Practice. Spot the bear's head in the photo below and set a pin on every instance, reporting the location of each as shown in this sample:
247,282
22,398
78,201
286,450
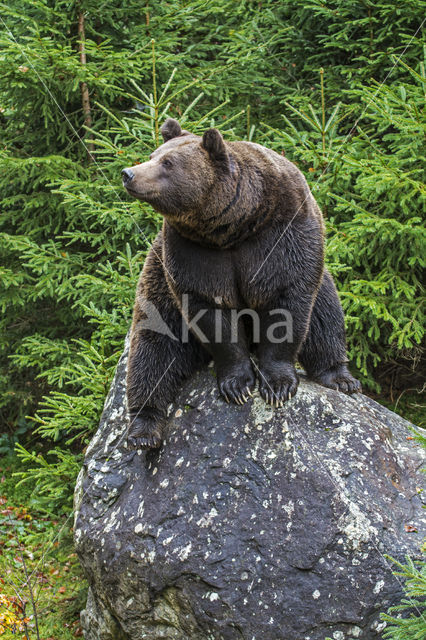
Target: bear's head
184,175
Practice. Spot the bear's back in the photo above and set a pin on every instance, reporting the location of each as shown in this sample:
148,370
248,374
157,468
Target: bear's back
269,163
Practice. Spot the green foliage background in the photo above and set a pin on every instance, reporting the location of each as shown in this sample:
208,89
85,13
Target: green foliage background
338,87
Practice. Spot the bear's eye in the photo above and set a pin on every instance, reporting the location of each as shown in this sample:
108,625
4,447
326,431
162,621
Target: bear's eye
167,163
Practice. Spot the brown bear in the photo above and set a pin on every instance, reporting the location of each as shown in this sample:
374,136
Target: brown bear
242,235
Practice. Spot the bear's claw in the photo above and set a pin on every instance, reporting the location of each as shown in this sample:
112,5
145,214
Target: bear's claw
237,387
144,433
340,379
279,393
145,442
277,384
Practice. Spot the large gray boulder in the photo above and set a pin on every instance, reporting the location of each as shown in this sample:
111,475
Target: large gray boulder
251,523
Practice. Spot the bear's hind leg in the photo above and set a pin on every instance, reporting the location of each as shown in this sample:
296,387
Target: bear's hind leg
323,354
159,359
158,364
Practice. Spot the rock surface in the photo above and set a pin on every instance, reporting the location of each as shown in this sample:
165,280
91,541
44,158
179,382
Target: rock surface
251,523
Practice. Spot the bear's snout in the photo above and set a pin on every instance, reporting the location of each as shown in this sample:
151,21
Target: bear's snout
127,175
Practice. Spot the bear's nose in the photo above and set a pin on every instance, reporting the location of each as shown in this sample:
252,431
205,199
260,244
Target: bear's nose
127,175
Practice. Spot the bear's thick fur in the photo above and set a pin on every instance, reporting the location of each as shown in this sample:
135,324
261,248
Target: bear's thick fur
241,232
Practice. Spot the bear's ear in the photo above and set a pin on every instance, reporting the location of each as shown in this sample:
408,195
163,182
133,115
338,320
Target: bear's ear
214,144
170,129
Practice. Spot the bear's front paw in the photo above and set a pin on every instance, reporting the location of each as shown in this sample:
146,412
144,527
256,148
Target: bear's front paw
145,430
278,382
339,378
236,382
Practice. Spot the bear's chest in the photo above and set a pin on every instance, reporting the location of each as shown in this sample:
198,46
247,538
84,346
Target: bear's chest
195,270
234,278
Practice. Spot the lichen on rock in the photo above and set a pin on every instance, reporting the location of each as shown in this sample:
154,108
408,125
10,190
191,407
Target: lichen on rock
250,522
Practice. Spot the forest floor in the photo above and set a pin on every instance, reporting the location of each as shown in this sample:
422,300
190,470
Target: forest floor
37,564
